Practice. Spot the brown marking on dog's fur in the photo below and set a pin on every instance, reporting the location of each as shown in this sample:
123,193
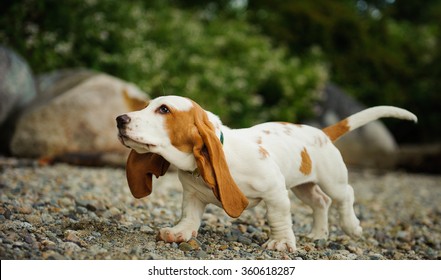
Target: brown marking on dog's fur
259,140
306,164
337,130
191,132
263,152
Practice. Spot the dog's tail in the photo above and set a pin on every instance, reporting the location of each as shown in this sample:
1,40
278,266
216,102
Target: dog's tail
337,130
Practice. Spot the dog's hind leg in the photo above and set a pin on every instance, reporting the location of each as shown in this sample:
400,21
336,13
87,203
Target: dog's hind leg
343,196
313,196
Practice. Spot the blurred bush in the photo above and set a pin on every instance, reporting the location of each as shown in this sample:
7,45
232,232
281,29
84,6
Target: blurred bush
224,63
380,51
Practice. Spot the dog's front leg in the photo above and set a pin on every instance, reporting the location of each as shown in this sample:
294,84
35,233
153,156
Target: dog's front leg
282,237
188,225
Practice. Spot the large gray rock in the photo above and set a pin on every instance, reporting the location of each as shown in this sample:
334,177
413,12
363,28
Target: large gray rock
76,123
17,89
17,86
369,146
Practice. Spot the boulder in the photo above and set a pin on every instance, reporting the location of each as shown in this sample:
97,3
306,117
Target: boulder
17,85
57,82
17,89
74,120
369,146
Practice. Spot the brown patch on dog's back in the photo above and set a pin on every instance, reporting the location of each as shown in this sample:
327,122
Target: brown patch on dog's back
263,152
306,164
259,140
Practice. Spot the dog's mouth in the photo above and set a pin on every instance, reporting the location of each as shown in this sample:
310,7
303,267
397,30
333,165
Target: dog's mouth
132,143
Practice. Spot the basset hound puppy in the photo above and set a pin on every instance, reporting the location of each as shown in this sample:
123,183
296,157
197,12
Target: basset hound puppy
237,168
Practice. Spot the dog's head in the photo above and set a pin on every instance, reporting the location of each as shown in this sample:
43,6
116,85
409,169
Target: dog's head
173,129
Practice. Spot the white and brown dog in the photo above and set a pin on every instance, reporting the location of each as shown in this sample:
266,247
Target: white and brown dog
237,168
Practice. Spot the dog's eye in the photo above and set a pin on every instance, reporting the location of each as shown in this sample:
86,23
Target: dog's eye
163,109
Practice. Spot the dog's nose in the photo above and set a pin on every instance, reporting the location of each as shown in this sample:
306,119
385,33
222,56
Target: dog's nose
122,120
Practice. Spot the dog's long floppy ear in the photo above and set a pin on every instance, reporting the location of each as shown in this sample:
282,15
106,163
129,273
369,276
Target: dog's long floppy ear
139,171
212,166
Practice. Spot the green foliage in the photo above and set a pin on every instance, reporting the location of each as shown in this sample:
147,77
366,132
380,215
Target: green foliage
382,52
223,63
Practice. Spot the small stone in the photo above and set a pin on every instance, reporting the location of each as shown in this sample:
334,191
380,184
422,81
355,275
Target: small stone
380,236
152,256
136,251
194,243
72,236
242,228
70,248
146,229
355,249
404,236
307,248
376,257
320,243
373,242
65,202
25,209
96,234
81,210
150,246
48,245
184,246
33,219
88,204
112,213
251,229
404,246
52,255
223,247
46,218
7,214
244,240
201,254
335,246
233,235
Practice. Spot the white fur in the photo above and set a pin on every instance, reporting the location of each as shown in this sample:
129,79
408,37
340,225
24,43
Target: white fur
261,176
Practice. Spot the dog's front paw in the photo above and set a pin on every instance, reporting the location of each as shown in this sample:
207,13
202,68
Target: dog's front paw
280,245
175,235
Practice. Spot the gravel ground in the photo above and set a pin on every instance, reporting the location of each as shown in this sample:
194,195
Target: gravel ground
68,212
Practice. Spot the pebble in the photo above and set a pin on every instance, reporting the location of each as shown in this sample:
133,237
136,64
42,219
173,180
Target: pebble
68,212
376,257
81,210
244,240
25,209
72,236
320,244
194,243
65,202
146,229
201,254
7,214
184,246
